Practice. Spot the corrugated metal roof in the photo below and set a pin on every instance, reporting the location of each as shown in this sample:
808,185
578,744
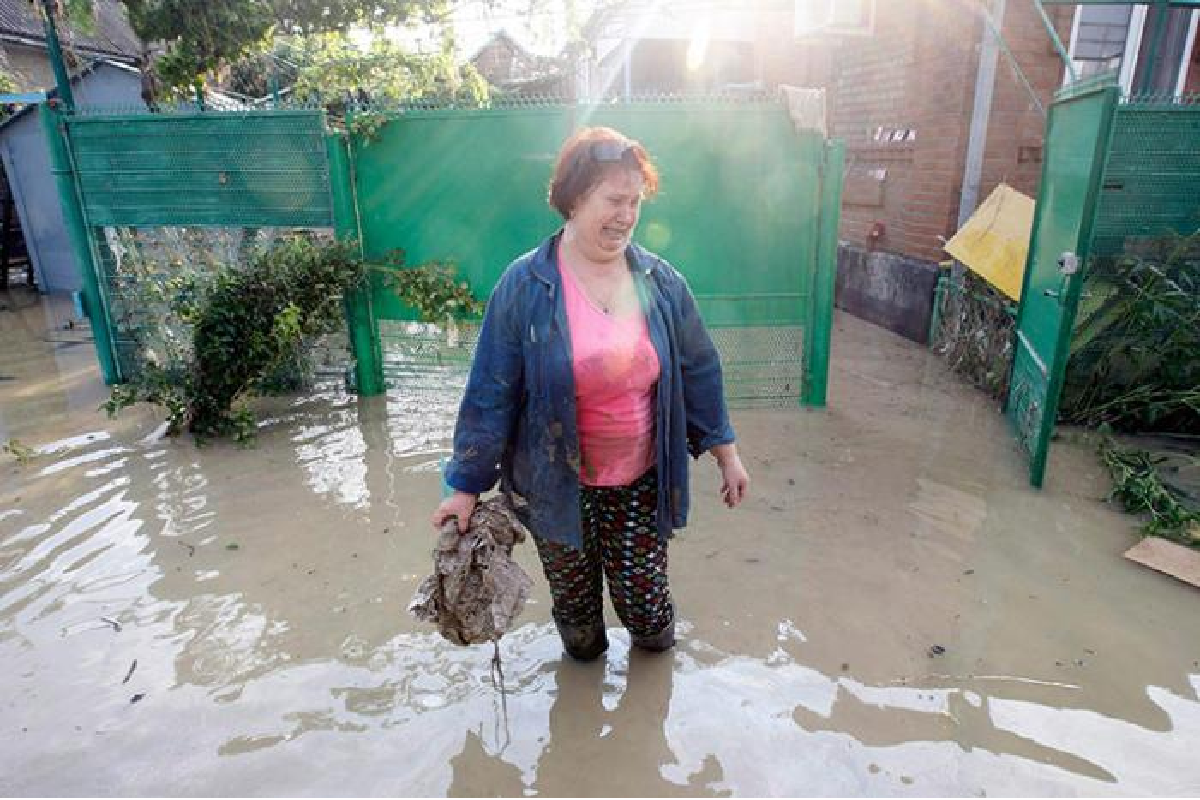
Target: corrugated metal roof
111,33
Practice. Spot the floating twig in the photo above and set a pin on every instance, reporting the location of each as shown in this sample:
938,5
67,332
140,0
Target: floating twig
116,626
129,674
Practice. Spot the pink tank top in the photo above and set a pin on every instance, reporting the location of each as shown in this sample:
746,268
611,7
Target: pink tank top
616,373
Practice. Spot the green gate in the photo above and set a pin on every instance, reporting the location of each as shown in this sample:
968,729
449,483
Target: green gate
748,212
1117,173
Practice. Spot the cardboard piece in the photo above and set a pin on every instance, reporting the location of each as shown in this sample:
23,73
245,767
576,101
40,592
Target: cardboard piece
1166,556
995,241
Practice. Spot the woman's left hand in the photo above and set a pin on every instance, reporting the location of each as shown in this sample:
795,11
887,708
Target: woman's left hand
735,481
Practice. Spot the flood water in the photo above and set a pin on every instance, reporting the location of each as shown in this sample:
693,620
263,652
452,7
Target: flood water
893,612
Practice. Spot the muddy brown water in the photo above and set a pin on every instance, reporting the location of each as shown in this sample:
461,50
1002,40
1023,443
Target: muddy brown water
893,612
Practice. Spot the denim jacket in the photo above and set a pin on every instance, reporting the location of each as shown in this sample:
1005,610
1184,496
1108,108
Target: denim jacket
517,418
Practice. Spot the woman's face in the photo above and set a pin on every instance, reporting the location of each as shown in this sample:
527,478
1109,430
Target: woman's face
603,219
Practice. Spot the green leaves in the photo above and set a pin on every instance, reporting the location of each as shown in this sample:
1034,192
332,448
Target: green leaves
255,321
240,332
247,328
1142,484
432,291
1135,353
204,36
332,67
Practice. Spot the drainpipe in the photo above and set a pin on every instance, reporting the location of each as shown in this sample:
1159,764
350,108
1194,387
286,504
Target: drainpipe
985,86
54,49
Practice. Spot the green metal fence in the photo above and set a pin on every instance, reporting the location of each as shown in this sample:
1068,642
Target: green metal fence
748,211
1119,179
144,192
1151,183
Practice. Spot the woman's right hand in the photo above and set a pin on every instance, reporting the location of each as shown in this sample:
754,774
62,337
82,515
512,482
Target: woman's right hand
460,505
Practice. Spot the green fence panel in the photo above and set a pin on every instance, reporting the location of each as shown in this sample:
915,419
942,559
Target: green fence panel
1150,183
740,204
739,214
140,179
246,169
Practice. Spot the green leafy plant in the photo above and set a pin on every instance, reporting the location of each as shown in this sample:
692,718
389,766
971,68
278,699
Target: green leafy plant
432,290
1145,482
239,332
248,325
205,37
367,125
1135,352
22,452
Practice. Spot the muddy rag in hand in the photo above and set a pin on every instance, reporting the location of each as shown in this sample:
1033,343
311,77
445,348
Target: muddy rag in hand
476,590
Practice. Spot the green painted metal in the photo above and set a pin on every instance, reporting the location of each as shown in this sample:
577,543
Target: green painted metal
256,169
54,50
360,317
739,212
1077,140
1055,40
95,301
748,210
1153,172
817,342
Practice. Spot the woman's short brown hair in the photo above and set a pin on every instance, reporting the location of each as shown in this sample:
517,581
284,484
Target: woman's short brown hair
587,156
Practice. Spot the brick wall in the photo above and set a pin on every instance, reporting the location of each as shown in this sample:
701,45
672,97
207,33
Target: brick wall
902,100
1016,128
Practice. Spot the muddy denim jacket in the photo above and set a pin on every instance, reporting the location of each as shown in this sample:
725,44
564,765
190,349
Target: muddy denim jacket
517,418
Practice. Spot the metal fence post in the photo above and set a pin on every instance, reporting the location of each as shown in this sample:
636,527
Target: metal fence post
820,319
360,316
93,294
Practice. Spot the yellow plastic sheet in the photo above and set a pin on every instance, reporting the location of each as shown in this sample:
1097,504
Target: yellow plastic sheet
995,241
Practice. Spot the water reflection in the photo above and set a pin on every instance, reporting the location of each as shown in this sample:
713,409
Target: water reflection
253,601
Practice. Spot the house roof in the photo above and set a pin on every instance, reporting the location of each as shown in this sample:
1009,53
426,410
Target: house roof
76,78
110,35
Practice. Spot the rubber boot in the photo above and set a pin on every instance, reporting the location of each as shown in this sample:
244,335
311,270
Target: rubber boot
583,642
658,642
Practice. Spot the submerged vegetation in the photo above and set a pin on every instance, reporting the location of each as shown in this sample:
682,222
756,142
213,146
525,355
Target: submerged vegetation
1161,484
211,335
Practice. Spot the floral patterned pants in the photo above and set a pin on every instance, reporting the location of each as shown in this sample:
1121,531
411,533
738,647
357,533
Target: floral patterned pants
620,543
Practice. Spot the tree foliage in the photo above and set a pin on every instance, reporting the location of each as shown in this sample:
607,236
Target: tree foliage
328,67
201,37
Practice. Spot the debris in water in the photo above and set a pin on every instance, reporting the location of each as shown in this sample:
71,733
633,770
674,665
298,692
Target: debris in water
116,626
232,546
191,548
129,674
936,650
137,698
476,589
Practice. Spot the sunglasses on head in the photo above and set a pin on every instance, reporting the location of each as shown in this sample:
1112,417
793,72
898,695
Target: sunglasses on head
610,150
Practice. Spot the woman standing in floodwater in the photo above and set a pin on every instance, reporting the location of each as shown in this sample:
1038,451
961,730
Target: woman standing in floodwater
594,378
